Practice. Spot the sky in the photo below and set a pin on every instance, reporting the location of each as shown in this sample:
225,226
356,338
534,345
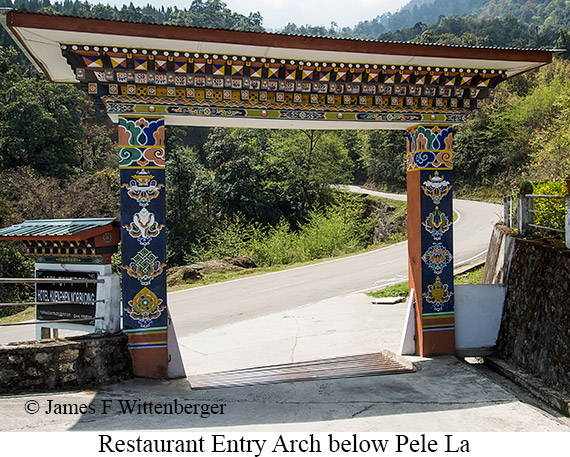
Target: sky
278,13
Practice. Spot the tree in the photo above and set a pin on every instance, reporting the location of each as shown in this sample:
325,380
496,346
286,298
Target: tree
384,158
40,122
189,192
237,158
523,131
304,164
215,14
33,196
13,264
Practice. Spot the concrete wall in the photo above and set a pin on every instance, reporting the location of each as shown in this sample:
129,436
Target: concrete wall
478,311
535,328
64,364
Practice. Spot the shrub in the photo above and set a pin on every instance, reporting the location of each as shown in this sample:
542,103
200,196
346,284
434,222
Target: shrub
338,229
554,215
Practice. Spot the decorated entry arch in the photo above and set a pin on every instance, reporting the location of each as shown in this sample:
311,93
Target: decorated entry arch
147,76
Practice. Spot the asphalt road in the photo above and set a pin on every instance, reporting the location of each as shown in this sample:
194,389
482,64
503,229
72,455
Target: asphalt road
215,305
211,306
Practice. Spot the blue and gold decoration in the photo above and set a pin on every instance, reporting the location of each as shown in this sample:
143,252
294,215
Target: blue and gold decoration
429,153
143,203
143,241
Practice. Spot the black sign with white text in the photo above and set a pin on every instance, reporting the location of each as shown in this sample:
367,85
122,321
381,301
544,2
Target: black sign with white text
83,294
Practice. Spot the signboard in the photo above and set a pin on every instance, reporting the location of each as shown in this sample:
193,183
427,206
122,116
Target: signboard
83,294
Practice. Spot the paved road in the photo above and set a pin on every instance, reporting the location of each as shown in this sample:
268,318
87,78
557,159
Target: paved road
211,306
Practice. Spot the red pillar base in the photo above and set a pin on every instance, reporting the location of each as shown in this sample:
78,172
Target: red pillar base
149,354
438,342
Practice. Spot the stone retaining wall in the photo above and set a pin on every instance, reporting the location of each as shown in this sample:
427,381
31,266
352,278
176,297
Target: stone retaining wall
76,362
535,327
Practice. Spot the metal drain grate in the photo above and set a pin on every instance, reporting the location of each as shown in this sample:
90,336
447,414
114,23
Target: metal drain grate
339,367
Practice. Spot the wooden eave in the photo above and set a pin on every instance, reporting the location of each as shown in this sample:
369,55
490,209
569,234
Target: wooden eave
38,32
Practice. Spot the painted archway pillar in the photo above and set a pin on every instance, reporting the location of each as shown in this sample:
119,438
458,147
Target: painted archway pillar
430,236
143,243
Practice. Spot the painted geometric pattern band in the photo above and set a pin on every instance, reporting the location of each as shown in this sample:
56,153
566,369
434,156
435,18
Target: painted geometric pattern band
143,235
147,339
361,108
232,84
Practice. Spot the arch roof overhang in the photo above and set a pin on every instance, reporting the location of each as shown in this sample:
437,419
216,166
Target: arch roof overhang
390,83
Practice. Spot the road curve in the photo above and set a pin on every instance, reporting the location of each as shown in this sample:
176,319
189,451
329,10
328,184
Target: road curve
205,307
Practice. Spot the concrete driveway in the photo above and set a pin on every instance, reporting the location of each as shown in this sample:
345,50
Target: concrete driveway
444,394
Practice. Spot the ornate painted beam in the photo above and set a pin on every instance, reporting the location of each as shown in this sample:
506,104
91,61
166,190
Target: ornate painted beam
229,78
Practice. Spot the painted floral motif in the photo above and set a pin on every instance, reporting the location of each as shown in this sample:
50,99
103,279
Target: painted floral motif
143,187
425,138
429,147
132,156
144,227
436,188
129,155
141,131
437,223
145,307
424,159
438,294
144,267
444,160
155,155
437,257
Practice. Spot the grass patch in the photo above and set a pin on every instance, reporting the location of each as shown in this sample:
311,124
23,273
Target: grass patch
474,276
483,193
26,314
397,290
214,277
402,204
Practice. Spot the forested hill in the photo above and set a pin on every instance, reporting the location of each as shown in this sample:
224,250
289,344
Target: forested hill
550,13
417,11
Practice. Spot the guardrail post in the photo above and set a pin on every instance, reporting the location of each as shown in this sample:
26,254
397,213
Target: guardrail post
567,219
525,214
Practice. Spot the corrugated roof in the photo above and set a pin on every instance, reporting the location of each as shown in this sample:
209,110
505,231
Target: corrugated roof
54,227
